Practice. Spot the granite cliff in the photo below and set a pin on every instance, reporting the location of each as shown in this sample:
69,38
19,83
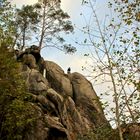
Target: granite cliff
67,106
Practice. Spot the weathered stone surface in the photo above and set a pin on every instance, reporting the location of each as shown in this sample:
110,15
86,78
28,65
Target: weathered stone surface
30,56
66,105
47,105
35,81
86,100
27,59
62,121
68,111
54,124
58,79
83,89
73,120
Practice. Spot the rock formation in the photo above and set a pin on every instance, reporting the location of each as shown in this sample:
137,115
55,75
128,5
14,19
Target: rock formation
67,105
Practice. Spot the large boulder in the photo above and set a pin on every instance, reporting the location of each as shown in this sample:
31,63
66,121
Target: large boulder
58,80
67,103
30,61
86,100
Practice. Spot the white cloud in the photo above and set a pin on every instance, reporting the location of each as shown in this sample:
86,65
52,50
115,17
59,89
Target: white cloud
23,2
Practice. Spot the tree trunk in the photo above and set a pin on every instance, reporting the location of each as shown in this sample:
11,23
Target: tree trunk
42,29
23,39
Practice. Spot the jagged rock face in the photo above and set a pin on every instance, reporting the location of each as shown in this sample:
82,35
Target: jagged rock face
67,104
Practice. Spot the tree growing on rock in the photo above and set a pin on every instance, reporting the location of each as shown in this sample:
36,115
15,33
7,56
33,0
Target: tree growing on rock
44,23
26,21
7,28
53,23
16,111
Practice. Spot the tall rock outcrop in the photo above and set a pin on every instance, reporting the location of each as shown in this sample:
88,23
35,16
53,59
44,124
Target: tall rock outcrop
66,104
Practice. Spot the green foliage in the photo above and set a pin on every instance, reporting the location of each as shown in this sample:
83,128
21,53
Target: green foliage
127,54
129,13
19,117
7,28
88,136
44,22
53,24
16,113
115,51
26,21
